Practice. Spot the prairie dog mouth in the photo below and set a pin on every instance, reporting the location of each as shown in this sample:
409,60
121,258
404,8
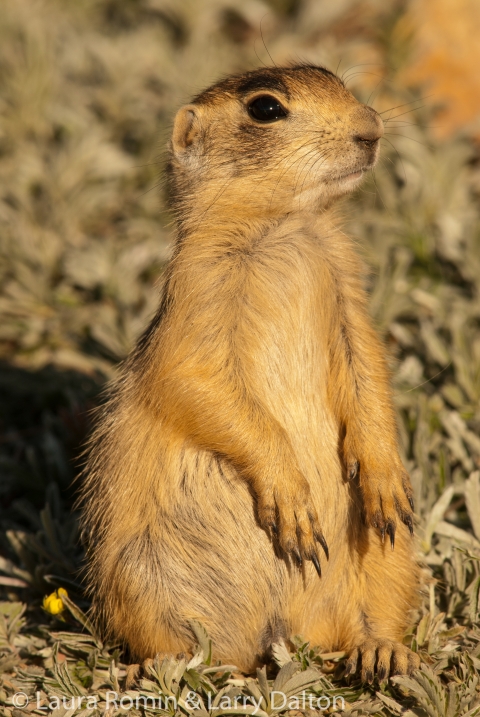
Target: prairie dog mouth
347,180
352,176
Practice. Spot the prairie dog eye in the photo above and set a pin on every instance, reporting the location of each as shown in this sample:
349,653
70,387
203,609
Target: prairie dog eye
266,109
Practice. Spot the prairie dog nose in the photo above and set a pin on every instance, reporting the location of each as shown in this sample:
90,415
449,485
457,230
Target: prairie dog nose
367,126
368,143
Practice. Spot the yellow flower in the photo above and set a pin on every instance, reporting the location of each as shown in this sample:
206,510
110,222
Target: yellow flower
53,603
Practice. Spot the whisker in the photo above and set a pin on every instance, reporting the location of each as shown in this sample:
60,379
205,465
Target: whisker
401,123
378,193
321,158
361,64
429,379
309,167
256,53
287,168
399,156
162,182
389,159
420,99
414,109
263,40
373,91
350,77
424,144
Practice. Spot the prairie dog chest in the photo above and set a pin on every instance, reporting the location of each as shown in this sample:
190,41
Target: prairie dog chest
281,336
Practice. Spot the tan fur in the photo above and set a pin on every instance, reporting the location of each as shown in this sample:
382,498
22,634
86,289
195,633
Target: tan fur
257,402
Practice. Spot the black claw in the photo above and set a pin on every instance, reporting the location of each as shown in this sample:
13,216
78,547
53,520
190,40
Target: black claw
369,676
382,673
348,669
353,470
274,529
391,532
409,523
316,562
412,504
320,539
298,557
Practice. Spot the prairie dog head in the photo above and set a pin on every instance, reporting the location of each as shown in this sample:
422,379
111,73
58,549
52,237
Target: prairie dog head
270,142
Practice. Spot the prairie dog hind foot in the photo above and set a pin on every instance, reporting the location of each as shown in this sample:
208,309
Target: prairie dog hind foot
382,658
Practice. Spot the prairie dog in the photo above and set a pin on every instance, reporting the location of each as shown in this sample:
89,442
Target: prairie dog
245,472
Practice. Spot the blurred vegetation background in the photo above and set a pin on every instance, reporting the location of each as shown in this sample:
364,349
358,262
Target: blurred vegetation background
88,91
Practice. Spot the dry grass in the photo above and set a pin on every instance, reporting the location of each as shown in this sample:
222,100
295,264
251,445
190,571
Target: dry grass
87,92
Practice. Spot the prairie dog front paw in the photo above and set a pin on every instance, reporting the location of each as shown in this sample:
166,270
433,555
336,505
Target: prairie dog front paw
286,509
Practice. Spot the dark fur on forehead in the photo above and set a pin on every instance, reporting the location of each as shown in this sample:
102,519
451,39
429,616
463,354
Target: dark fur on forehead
261,80
269,78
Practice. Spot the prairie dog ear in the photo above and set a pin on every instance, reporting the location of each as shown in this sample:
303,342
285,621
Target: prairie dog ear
186,128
